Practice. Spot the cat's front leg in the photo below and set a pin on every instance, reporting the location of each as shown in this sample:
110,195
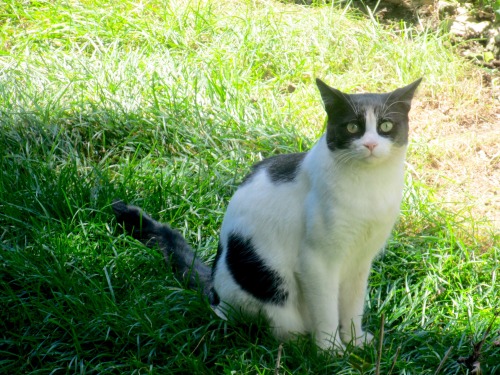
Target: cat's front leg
353,287
319,283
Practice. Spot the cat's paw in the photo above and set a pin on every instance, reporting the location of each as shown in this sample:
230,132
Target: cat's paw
364,338
219,311
331,344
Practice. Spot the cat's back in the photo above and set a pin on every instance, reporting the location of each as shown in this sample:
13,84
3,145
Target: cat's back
271,196
279,168
261,233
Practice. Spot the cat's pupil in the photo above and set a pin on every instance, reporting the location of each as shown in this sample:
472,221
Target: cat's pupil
386,126
352,128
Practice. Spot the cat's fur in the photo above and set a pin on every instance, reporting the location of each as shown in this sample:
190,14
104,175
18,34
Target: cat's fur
300,233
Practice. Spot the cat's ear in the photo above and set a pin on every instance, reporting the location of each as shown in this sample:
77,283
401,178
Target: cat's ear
405,94
333,99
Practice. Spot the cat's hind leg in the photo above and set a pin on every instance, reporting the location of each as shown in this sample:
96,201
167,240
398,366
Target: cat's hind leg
285,321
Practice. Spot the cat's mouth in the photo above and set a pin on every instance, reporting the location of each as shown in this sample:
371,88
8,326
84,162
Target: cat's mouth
372,157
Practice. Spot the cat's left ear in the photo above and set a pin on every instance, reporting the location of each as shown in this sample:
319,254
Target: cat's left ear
405,94
333,99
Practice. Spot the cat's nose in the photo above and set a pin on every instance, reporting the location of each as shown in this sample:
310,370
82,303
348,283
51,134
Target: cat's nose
370,145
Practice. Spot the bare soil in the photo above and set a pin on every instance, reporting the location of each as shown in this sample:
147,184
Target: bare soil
459,134
460,146
456,136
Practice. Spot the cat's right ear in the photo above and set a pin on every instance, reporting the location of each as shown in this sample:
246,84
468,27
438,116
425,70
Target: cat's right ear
332,98
405,94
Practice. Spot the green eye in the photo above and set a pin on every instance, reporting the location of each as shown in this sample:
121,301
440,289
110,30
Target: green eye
386,126
352,128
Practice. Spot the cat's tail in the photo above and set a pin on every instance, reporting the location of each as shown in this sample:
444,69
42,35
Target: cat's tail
177,252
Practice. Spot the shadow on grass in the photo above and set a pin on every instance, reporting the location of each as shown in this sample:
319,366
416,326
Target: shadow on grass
77,297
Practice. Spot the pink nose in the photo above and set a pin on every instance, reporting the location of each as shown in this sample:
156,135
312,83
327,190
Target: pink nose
370,145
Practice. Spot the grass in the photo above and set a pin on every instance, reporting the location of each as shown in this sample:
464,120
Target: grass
166,105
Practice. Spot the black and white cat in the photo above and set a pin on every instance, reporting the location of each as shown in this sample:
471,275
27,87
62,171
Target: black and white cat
301,232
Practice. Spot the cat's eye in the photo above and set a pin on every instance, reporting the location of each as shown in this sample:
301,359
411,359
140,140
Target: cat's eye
352,128
386,126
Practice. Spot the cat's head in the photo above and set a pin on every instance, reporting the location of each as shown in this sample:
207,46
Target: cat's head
367,127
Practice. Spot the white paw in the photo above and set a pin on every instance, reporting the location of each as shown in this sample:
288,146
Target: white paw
330,343
364,338
219,311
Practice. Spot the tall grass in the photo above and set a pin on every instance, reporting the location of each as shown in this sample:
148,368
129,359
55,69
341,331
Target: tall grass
166,104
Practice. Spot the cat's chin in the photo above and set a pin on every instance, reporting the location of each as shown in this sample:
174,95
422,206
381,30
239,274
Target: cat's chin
373,159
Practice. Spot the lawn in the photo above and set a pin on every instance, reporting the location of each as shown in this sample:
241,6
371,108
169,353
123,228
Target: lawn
166,105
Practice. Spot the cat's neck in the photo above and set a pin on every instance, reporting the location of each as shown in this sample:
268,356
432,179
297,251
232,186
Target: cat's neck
371,191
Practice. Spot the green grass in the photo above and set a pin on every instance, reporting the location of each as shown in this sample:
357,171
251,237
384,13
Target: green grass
166,105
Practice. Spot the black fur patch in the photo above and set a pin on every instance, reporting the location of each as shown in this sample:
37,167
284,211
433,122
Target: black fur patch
281,168
213,297
251,273
217,258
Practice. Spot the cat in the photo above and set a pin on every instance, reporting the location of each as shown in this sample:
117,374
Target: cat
300,233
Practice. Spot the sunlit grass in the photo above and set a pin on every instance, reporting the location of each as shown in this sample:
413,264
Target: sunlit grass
166,105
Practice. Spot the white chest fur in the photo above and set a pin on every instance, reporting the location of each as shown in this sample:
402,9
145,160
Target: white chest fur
356,198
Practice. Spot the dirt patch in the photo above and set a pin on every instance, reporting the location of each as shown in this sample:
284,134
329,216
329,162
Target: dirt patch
459,144
457,137
473,28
